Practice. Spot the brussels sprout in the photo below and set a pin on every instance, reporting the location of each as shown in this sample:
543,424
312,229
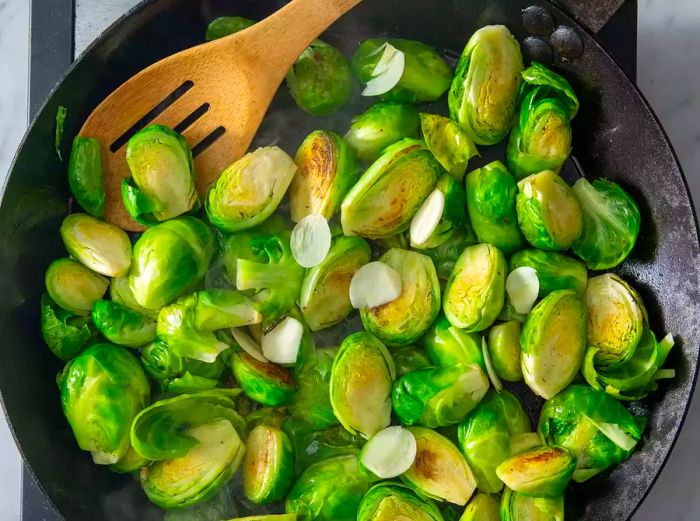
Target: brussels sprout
65,333
249,190
406,319
441,215
439,396
162,182
130,462
100,246
102,390
73,286
484,92
611,222
409,358
439,471
383,124
227,25
389,193
160,362
120,292
176,374
539,472
188,325
121,325
553,342
482,508
504,349
484,436
312,402
312,446
360,388
330,490
554,270
261,259
541,138
392,501
85,175
449,143
616,319
447,345
491,193
592,425
169,260
266,383
425,76
268,465
549,214
475,291
519,507
445,255
325,290
320,81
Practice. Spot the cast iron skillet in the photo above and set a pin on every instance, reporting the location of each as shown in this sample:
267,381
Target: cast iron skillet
616,135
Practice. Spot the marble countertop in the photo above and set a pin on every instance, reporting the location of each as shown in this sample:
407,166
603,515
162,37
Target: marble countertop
668,53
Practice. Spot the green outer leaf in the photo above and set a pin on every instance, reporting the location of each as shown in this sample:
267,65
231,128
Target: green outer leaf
65,333
409,358
122,325
448,142
85,175
388,501
189,383
266,383
554,270
312,402
138,205
61,112
119,291
482,507
539,75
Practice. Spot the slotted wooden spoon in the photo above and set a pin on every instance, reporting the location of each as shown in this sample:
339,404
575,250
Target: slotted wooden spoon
215,94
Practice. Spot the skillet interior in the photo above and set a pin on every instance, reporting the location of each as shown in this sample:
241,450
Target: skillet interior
615,135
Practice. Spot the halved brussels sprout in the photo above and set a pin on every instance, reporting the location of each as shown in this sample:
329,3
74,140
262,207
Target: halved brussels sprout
440,471
449,143
539,472
484,436
102,390
591,424
120,292
482,508
519,507
389,193
475,291
361,379
121,325
405,319
100,246
393,501
447,345
73,286
330,490
170,259
383,124
441,216
261,259
504,348
268,465
266,383
439,396
162,182
325,290
326,170
484,92
312,402
320,81
553,342
549,214
616,319
249,190
611,223
554,270
541,138
227,25
66,333
425,76
409,358
491,194
85,175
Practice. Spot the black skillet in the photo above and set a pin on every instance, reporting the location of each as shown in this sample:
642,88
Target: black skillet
616,135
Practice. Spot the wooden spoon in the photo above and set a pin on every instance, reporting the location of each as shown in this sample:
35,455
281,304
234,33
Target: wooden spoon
219,91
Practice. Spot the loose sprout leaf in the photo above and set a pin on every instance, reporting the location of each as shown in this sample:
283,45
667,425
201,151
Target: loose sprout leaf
615,434
311,240
427,218
248,345
387,73
374,285
495,380
281,345
61,112
389,453
663,374
524,441
523,286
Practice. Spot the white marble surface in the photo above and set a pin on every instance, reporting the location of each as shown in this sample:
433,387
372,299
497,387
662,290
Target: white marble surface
669,75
